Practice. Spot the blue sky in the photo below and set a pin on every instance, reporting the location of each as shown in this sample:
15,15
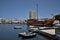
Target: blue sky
20,8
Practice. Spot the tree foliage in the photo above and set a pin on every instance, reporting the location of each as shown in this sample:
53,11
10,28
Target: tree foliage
57,17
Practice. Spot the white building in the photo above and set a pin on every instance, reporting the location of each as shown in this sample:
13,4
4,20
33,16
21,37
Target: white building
32,15
0,20
14,21
22,20
6,20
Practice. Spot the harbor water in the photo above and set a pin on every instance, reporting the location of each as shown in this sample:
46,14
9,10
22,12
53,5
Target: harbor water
7,32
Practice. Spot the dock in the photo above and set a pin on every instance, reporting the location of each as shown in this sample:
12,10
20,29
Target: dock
48,33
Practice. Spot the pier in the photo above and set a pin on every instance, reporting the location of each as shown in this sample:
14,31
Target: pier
48,33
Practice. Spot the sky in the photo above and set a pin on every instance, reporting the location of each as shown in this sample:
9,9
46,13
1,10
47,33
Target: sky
20,8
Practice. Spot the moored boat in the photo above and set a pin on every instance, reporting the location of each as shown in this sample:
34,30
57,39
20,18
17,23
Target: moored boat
58,24
44,22
35,30
31,26
27,35
18,27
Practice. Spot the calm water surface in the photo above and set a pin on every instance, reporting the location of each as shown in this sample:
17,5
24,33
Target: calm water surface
7,32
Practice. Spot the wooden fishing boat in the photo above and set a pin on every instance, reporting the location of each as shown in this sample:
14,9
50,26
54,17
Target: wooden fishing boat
41,22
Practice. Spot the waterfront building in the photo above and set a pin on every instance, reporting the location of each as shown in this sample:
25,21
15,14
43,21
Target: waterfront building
7,20
3,20
22,20
0,20
32,15
18,20
14,21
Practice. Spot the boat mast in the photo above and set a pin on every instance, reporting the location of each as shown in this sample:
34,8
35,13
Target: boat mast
37,10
